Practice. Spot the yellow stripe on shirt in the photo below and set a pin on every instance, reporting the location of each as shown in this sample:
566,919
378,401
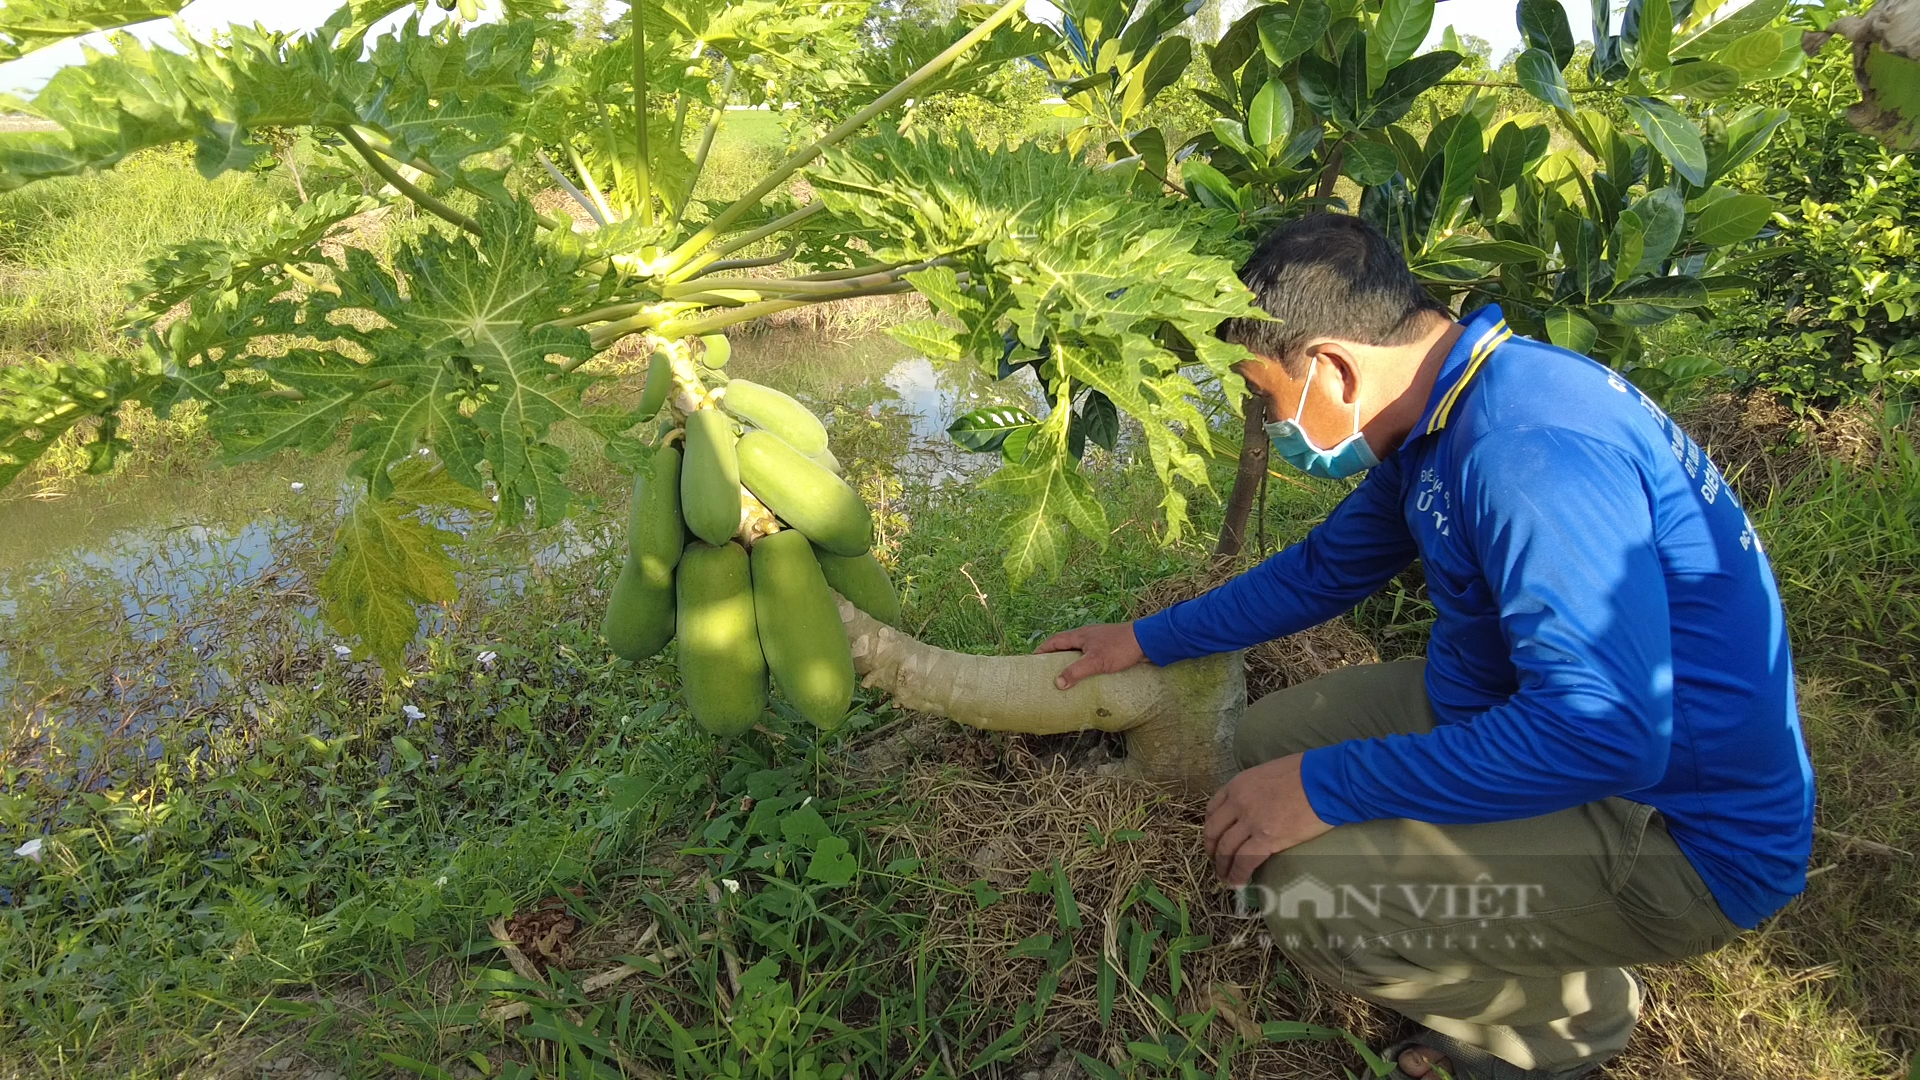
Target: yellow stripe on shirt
1481,350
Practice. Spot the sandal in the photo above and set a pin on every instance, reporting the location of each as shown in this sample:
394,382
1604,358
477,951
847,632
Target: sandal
1472,1063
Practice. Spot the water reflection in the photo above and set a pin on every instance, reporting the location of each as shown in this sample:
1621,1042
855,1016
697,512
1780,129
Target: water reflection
133,604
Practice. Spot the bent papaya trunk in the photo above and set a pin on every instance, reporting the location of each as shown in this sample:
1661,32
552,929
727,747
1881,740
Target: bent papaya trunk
1178,720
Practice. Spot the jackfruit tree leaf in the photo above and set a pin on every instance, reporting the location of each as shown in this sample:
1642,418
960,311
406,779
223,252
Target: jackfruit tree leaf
984,430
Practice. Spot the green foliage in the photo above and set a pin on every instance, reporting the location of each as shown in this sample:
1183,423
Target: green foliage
26,25
1107,280
1839,315
1119,294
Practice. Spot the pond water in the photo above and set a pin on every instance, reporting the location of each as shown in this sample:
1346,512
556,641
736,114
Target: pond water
121,603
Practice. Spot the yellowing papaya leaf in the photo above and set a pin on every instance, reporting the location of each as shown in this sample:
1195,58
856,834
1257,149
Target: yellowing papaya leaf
384,563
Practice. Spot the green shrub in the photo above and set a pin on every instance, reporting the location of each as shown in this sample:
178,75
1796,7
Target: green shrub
1838,312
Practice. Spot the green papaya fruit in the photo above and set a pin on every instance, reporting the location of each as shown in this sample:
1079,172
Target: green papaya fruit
639,619
655,530
722,669
827,461
804,495
863,581
719,350
800,631
772,411
659,381
710,477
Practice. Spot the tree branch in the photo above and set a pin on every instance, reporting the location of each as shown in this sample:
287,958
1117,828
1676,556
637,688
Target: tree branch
1516,86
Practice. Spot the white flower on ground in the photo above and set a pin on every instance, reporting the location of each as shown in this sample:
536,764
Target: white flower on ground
732,885
440,882
487,658
342,652
298,486
412,713
30,849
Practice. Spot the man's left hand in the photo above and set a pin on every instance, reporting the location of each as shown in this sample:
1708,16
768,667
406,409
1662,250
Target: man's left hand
1259,813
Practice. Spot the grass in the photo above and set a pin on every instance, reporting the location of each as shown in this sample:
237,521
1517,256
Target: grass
305,869
69,247
259,856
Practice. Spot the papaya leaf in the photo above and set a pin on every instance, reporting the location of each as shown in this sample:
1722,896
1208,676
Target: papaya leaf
310,398
934,339
287,236
385,562
42,400
420,481
1054,494
26,25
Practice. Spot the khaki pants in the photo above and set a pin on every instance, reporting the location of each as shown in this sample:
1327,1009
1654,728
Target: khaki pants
1512,936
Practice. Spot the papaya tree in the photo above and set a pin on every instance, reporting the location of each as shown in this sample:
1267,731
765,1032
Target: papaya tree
1105,264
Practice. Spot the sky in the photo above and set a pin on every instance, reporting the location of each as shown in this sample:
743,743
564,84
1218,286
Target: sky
1489,19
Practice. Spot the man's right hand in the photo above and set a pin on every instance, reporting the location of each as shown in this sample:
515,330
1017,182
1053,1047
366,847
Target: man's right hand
1105,648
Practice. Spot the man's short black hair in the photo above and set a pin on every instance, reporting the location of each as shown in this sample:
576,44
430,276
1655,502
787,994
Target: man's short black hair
1329,275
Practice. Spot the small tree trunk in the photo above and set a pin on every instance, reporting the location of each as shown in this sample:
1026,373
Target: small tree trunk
1246,481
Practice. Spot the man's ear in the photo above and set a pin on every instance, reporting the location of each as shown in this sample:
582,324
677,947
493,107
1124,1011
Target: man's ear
1337,360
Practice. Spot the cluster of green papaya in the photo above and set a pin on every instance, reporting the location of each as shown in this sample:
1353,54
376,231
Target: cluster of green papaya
741,615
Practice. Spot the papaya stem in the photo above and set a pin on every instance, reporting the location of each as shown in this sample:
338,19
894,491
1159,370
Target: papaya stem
644,169
706,143
586,177
406,187
777,225
804,156
567,185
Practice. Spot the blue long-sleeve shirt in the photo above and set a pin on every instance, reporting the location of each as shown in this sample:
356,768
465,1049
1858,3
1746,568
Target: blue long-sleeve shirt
1607,621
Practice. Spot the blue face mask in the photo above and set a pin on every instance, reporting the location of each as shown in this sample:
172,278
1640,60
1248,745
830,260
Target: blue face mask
1351,456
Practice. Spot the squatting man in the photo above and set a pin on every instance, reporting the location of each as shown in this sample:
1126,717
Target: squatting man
1598,763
